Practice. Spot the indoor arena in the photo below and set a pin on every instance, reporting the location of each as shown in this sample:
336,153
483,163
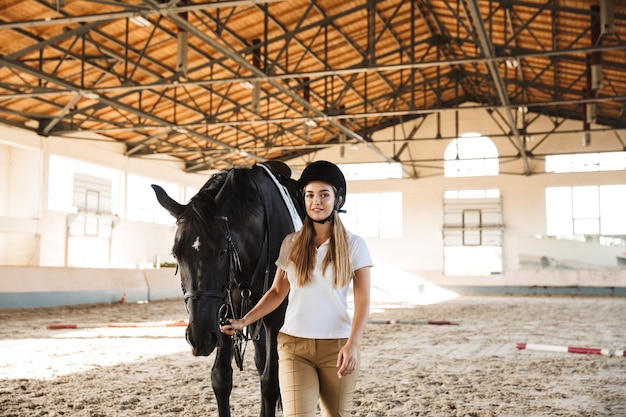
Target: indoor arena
155,154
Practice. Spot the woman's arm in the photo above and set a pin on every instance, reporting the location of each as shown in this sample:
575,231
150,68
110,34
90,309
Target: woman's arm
347,360
268,303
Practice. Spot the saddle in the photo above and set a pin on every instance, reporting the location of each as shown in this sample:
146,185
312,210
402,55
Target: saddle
282,172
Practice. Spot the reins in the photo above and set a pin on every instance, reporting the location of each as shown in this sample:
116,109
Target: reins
227,310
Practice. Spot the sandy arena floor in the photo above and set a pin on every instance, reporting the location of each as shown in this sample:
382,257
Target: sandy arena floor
471,369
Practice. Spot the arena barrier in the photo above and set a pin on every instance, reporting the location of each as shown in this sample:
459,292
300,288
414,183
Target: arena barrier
27,287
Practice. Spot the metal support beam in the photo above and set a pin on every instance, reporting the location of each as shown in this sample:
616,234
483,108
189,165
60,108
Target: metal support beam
161,9
120,105
242,62
488,52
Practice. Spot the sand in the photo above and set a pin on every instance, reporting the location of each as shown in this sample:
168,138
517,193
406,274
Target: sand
469,369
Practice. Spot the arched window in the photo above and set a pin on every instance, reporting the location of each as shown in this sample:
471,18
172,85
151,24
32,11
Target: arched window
471,155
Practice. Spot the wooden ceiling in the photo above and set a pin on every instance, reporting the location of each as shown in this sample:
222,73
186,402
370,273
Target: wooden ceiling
227,83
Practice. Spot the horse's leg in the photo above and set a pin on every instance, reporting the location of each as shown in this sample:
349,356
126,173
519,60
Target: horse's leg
222,376
268,365
268,402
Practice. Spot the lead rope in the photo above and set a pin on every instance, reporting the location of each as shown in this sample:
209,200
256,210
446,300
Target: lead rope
240,338
246,302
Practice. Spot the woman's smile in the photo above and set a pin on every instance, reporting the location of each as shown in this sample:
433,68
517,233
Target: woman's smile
319,198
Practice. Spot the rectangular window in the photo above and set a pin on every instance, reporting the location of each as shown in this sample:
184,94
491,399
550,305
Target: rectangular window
371,171
586,210
142,203
374,214
586,162
613,210
67,177
471,193
189,193
92,194
472,232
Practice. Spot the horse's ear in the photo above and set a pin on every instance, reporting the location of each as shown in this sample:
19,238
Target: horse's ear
167,202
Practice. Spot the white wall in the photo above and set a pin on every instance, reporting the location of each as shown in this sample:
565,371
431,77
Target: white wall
49,286
523,198
420,251
31,235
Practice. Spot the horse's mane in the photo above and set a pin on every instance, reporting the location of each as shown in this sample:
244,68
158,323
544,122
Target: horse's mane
239,203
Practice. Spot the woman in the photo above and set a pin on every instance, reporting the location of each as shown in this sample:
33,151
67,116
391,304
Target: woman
318,346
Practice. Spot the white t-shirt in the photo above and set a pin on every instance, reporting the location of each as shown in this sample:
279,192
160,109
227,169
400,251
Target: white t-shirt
319,310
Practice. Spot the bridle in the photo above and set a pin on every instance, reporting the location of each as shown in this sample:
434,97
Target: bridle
234,265
227,309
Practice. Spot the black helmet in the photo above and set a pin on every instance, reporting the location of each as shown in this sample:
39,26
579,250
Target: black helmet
329,173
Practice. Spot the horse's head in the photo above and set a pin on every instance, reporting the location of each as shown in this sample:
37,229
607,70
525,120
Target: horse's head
210,249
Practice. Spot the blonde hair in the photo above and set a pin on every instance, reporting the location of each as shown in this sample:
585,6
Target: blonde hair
303,253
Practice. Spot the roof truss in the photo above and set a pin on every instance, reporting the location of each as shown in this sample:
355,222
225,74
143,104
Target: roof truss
225,83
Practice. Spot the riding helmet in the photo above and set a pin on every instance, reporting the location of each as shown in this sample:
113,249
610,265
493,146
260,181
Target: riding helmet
327,172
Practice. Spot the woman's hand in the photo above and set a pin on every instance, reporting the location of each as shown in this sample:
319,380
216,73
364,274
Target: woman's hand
268,303
348,355
232,326
347,360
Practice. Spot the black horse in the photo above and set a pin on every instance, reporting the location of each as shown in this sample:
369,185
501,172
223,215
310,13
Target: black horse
226,243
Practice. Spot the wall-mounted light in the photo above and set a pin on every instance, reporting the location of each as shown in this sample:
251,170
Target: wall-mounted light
512,62
247,85
140,21
311,123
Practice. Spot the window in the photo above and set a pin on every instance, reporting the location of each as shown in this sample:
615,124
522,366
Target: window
64,172
472,232
93,197
586,162
471,155
374,214
586,210
91,194
189,193
142,203
474,193
371,171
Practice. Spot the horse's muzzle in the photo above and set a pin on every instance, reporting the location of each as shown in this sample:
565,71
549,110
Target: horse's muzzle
204,343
